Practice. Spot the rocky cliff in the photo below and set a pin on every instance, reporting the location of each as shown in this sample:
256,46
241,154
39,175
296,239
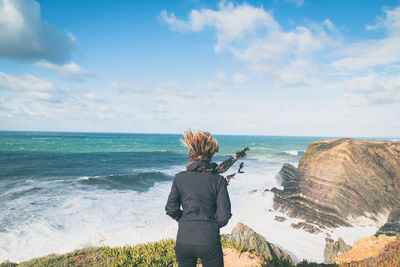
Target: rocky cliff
392,225
339,180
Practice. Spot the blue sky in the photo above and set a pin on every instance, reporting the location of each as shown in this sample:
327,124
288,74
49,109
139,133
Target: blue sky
279,67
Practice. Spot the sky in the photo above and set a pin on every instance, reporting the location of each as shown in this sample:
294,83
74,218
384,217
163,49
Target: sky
262,67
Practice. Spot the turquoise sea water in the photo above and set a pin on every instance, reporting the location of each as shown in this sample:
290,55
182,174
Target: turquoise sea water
124,161
63,191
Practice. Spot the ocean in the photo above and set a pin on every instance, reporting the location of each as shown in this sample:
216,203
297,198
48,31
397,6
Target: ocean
65,191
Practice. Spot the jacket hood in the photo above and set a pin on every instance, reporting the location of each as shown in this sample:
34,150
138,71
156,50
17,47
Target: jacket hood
201,166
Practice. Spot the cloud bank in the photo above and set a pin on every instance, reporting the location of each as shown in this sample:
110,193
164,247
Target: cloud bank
253,36
25,36
69,71
314,56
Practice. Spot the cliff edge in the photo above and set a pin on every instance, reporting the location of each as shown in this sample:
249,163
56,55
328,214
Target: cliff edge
339,180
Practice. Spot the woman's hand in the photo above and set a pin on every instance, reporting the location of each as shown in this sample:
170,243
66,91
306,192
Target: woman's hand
227,180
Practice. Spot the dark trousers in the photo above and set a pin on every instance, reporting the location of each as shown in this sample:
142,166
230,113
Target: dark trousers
210,255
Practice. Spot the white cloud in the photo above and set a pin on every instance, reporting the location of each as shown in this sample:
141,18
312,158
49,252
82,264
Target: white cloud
170,88
221,76
254,37
70,71
328,24
374,53
90,96
164,109
25,36
31,87
232,23
369,54
240,78
280,47
372,89
25,83
129,88
314,56
390,21
298,3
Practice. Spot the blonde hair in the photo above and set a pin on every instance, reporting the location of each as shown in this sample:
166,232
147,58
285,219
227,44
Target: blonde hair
201,145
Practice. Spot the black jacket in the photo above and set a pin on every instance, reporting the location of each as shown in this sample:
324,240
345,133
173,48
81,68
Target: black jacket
205,200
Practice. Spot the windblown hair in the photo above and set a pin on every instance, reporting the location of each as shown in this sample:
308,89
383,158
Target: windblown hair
201,145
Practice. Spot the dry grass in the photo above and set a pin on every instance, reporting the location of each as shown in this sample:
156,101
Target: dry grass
388,257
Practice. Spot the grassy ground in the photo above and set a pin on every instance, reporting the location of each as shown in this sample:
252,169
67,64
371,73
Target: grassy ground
93,256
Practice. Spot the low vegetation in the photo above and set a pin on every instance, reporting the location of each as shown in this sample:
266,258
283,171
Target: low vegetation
93,256
389,257
162,254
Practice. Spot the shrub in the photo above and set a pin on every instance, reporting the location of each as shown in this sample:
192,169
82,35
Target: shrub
154,254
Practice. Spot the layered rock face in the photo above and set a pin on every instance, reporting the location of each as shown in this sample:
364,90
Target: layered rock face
339,180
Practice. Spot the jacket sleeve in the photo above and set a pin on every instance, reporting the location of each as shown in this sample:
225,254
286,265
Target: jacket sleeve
173,206
226,164
223,212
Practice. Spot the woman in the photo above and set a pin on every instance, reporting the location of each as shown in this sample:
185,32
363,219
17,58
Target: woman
205,201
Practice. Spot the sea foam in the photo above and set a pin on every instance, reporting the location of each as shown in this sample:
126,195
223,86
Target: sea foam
84,218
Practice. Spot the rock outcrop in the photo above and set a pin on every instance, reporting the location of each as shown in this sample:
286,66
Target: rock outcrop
339,180
334,248
246,236
392,225
306,227
368,247
279,219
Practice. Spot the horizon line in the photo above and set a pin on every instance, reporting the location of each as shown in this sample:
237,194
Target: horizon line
216,134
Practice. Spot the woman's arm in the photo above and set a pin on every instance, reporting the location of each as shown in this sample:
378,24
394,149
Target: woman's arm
226,164
173,206
223,212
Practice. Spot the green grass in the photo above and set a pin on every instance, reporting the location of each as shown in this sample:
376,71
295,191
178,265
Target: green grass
154,254
93,256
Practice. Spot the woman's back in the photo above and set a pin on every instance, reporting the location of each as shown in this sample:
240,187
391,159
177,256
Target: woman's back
205,201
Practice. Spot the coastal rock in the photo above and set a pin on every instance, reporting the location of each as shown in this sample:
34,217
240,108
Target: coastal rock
306,227
280,218
288,174
334,248
246,236
392,225
338,180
